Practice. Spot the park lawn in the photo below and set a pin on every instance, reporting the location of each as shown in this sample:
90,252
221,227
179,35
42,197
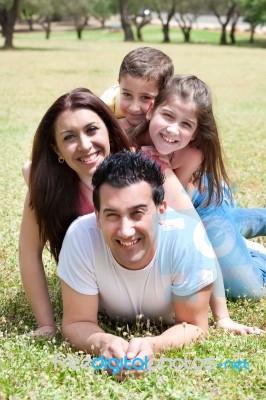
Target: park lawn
31,79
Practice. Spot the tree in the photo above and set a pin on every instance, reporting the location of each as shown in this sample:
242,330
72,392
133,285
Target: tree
234,19
254,13
79,10
8,15
165,10
29,10
39,11
188,12
42,10
223,10
101,10
140,20
125,21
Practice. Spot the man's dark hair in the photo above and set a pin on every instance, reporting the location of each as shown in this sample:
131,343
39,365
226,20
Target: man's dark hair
126,168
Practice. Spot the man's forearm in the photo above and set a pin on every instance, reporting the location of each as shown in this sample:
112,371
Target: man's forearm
89,337
176,336
86,336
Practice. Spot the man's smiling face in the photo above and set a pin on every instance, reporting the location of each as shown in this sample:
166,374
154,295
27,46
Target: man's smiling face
128,219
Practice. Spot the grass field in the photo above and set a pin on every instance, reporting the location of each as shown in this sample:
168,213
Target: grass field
31,79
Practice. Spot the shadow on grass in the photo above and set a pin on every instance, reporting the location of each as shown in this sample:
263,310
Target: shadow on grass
16,48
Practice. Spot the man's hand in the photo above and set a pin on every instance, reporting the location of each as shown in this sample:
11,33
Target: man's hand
234,327
139,348
113,347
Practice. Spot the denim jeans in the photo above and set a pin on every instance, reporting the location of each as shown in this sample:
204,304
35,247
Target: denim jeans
243,270
251,222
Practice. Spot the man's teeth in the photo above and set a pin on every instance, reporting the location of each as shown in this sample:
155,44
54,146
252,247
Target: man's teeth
169,140
89,158
127,244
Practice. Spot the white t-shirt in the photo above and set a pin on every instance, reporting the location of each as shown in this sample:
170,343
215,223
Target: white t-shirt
183,264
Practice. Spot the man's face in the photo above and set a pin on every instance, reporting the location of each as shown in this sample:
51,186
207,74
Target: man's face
128,219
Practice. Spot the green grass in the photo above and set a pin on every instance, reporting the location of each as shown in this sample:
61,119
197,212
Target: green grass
33,77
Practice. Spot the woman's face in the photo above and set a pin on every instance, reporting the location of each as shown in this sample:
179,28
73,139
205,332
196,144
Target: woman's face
82,140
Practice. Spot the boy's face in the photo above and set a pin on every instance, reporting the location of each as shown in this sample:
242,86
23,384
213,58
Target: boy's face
128,219
137,96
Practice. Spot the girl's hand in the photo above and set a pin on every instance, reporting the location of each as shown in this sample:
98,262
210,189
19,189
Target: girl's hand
234,327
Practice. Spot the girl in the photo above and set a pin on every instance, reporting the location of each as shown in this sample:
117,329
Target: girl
182,129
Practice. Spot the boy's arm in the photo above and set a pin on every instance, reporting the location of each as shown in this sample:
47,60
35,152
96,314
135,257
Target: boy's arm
111,97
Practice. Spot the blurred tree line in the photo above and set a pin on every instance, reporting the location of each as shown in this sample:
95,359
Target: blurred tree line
133,13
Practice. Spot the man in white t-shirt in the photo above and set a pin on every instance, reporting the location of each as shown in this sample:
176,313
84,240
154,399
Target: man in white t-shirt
133,257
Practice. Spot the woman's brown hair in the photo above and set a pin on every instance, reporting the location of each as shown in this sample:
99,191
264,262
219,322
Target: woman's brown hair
54,187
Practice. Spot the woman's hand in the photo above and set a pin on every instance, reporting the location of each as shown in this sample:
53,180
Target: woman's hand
46,330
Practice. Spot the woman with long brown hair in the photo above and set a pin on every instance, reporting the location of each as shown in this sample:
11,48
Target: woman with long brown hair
74,136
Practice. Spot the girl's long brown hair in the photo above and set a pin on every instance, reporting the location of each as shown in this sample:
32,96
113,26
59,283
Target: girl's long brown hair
54,187
192,89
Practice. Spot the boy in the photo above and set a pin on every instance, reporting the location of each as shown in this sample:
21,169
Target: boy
142,74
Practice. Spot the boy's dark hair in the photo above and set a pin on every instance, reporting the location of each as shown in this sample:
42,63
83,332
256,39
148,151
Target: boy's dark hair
126,168
148,63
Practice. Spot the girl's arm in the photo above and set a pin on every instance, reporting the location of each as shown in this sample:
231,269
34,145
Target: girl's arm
175,195
220,311
185,163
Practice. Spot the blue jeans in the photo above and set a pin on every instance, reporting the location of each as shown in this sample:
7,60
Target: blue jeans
243,270
251,222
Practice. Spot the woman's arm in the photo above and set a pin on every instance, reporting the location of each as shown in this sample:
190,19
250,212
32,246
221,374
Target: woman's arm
32,272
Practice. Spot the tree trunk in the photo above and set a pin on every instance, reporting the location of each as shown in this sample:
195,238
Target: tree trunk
223,39
186,33
11,19
251,39
230,12
3,21
139,34
140,25
166,37
48,30
126,25
79,32
232,34
233,27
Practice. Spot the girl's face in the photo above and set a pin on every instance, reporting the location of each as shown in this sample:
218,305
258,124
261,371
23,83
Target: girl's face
137,96
82,140
172,125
